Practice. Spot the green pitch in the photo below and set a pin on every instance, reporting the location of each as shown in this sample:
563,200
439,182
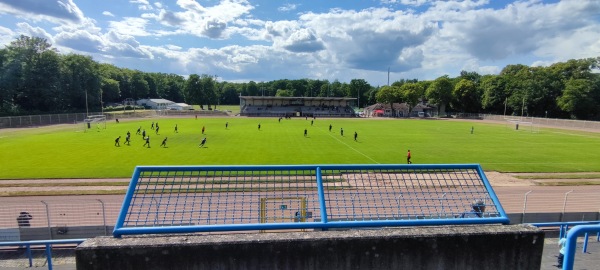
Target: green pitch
67,151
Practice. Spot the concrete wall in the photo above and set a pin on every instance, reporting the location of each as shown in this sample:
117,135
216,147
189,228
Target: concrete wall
440,247
517,218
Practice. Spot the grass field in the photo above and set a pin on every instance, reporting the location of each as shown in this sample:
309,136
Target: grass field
66,151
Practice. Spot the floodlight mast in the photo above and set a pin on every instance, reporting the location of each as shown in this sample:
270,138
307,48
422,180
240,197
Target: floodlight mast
87,112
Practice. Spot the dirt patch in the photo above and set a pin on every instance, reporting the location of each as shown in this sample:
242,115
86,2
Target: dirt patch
498,179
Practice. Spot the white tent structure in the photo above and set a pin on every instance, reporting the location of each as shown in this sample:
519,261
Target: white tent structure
179,107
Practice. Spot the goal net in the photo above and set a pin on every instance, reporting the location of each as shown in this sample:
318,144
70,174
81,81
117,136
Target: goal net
94,122
523,124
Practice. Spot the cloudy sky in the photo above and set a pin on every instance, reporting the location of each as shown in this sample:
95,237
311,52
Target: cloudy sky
263,40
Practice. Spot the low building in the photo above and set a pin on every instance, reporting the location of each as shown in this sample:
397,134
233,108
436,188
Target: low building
384,110
400,110
155,103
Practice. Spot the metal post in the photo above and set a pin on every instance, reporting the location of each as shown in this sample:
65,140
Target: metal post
565,205
524,207
103,217
442,204
87,111
399,196
585,243
352,201
49,255
29,255
48,219
560,232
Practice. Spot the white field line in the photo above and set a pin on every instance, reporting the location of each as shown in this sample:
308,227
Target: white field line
572,134
332,136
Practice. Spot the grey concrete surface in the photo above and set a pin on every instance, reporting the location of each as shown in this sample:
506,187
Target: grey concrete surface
65,259
436,247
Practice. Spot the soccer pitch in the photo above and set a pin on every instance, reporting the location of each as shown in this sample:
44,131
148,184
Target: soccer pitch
66,151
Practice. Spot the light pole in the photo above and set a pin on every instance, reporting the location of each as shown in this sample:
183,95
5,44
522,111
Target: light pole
87,112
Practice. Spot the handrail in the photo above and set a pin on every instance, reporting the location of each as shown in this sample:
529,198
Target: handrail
571,243
47,243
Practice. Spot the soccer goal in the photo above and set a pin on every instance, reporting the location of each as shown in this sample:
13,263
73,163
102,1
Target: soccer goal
523,124
94,122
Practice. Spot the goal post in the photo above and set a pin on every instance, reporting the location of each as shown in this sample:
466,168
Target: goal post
94,122
286,209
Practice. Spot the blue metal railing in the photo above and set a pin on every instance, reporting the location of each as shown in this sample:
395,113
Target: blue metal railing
184,199
47,243
571,244
564,226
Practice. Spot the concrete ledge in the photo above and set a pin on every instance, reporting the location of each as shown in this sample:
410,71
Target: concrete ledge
440,247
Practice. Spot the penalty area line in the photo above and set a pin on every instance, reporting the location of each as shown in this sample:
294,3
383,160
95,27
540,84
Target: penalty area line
363,154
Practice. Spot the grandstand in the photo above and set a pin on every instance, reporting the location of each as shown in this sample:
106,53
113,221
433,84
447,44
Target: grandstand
296,106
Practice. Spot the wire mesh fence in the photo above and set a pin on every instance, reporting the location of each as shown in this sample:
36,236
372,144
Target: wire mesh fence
224,198
62,212
549,122
56,219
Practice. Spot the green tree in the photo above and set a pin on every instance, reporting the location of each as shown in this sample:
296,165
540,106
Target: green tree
252,89
579,99
193,90
440,92
359,88
284,93
209,90
173,87
411,92
139,86
466,96
110,90
33,67
389,95
81,82
230,95
493,92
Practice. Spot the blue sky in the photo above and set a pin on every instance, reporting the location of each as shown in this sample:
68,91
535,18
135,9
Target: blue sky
239,40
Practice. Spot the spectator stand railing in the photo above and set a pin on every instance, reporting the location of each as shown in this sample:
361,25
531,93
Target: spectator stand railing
185,199
47,243
571,243
564,228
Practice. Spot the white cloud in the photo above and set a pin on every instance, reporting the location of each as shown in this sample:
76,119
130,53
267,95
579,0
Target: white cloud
58,11
303,40
81,41
518,29
437,38
28,30
372,39
287,7
130,26
214,28
142,4
6,35
169,18
210,21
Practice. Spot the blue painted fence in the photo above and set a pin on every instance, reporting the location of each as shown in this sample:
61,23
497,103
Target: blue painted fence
184,199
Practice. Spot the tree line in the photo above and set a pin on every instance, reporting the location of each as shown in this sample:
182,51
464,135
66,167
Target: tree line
36,79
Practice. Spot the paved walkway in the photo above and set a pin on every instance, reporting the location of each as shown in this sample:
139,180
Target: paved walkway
64,259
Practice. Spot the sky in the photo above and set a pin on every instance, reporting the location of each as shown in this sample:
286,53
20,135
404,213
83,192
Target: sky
264,40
